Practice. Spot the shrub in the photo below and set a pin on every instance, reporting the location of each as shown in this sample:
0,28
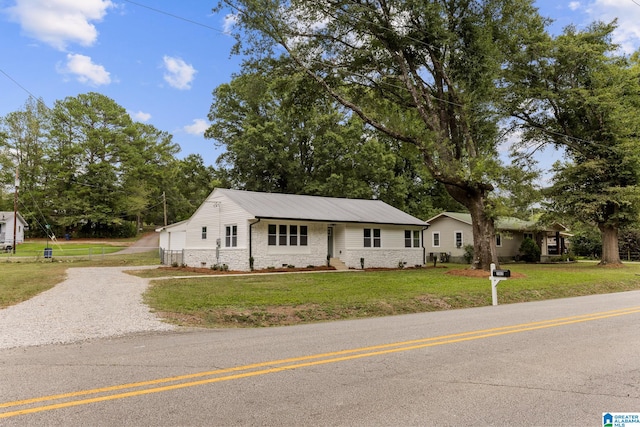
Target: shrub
468,253
530,250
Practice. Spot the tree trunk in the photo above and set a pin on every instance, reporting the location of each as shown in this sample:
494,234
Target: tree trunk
485,251
610,249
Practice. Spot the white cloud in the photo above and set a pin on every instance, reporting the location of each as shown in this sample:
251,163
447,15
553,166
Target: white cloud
85,70
229,22
197,128
140,116
627,13
575,5
60,22
178,73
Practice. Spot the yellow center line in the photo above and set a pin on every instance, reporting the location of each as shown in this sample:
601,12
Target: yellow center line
251,370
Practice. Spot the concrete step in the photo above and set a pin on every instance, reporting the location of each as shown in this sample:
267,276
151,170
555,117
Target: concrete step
337,264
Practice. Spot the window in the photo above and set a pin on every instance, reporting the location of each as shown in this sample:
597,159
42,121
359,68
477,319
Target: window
528,236
287,235
436,239
231,236
204,233
282,235
272,235
458,239
498,240
411,239
372,238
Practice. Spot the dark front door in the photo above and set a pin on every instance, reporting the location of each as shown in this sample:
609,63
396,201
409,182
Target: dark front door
330,241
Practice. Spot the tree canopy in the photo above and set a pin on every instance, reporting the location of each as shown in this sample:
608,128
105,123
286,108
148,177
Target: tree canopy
424,73
283,134
577,92
86,168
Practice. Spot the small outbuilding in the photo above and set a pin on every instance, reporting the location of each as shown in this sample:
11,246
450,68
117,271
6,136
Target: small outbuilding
247,230
6,228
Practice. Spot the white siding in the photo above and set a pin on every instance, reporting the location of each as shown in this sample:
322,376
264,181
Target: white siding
447,227
219,211
391,252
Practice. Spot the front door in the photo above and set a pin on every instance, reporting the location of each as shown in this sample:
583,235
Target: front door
330,241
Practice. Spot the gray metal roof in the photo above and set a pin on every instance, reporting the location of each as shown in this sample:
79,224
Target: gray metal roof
315,208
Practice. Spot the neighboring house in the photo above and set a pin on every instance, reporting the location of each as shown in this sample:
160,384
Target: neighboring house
233,227
450,232
6,228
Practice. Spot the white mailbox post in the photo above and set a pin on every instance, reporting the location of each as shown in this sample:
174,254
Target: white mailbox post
496,276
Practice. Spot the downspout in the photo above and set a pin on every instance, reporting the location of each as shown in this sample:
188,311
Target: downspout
424,249
251,241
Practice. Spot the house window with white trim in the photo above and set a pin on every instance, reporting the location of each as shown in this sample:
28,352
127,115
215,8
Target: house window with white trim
458,238
436,239
231,236
411,239
204,233
282,235
498,240
287,235
372,238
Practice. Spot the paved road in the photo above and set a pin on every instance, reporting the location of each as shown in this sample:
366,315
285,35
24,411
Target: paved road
560,362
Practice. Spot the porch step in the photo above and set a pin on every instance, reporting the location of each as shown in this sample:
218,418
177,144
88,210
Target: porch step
337,264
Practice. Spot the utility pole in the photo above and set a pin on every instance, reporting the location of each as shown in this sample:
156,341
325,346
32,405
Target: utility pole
164,204
15,210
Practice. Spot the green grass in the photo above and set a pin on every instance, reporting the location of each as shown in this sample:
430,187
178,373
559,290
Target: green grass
23,278
267,300
35,249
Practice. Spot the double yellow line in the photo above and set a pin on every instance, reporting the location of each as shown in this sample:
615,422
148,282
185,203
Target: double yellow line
85,397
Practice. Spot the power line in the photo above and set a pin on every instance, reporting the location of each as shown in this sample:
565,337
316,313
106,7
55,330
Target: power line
176,16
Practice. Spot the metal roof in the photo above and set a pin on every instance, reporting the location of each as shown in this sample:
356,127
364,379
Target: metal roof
504,223
316,208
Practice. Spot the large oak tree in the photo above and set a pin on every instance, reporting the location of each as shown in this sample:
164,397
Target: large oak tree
577,92
425,73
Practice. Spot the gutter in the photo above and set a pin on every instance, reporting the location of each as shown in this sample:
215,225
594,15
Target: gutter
251,224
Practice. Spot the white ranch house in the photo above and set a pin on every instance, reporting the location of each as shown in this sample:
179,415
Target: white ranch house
274,230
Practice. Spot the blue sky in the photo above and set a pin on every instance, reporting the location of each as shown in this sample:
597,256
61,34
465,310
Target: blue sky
163,68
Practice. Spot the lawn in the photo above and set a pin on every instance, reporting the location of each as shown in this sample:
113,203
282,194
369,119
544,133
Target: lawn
268,300
35,249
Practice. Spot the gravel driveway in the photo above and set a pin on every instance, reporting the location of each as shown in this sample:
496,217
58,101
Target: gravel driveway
93,302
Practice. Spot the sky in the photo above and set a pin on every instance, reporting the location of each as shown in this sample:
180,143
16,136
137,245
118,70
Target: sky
162,59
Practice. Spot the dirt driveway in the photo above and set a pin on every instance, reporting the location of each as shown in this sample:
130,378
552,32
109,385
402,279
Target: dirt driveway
146,243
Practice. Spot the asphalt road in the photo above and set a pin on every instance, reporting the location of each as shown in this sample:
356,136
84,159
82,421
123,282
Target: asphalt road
560,362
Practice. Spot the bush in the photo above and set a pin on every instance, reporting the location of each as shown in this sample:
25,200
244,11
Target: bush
530,251
468,253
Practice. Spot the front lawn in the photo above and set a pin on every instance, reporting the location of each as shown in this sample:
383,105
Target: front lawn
268,300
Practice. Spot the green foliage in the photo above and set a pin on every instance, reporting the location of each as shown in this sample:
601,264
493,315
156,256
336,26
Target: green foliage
579,94
587,244
433,82
283,134
87,169
530,250
468,253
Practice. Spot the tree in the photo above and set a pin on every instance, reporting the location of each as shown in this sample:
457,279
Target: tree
575,92
282,133
424,73
188,185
